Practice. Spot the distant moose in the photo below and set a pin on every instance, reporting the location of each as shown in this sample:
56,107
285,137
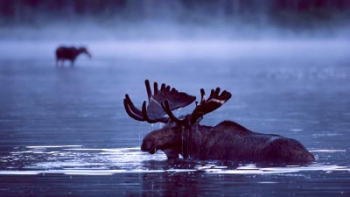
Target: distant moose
70,54
225,141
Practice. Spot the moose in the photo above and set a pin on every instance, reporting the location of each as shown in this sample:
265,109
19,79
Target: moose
226,141
69,53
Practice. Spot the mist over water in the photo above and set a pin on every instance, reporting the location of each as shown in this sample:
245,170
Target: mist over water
176,29
173,20
64,130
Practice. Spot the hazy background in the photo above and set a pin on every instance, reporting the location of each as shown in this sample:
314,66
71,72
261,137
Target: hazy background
286,63
173,19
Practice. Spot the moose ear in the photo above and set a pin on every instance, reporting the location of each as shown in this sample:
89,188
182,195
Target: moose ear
175,99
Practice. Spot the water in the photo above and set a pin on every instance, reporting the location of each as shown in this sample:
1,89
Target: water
64,130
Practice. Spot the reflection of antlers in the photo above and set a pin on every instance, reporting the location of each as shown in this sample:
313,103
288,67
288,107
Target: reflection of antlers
214,101
154,112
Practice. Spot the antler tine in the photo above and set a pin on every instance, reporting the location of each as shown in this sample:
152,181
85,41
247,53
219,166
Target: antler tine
138,115
202,95
132,106
167,89
149,91
146,117
172,117
214,93
162,87
133,112
214,101
155,87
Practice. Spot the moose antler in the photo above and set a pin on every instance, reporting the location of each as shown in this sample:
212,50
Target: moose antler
205,106
214,101
154,112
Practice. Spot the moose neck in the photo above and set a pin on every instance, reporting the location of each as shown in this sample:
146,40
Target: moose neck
78,52
192,140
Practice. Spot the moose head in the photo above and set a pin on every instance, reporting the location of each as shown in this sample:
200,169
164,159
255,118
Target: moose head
160,106
84,50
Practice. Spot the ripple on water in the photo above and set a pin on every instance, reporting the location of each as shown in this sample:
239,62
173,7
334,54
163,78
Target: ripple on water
78,160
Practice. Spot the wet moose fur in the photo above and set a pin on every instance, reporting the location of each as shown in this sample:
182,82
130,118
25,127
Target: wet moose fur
225,141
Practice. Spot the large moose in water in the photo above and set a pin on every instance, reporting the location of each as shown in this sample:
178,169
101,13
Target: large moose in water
225,141
69,53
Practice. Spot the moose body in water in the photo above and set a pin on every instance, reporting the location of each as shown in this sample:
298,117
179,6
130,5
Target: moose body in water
70,54
225,141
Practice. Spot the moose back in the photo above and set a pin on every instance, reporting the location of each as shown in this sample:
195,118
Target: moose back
225,141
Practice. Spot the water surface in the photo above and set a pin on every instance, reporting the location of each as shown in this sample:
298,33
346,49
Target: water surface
64,130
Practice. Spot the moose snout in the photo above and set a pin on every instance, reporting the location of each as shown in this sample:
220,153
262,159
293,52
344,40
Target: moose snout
89,54
145,147
148,146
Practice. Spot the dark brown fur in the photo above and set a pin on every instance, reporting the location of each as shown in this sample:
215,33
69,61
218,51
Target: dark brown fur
225,141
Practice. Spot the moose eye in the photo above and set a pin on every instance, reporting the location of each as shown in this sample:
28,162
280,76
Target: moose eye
149,140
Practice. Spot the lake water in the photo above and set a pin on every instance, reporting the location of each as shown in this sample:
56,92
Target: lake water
64,130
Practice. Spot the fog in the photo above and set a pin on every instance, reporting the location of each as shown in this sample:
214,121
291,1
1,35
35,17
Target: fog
175,29
83,21
167,30
160,30
286,63
178,49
